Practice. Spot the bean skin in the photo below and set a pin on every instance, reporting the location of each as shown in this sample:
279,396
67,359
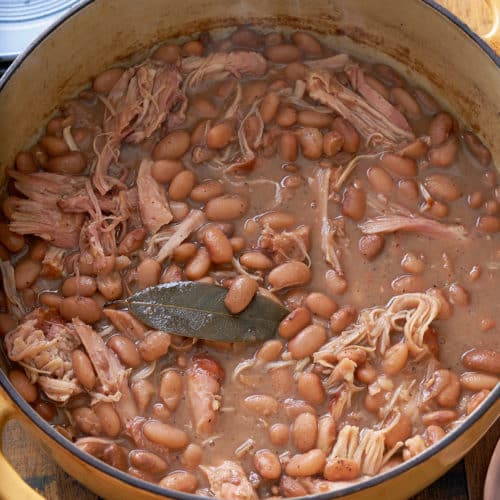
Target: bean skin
240,294
307,341
306,464
218,245
267,464
485,360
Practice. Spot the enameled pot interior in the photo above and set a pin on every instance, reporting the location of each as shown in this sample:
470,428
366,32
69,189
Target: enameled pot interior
421,40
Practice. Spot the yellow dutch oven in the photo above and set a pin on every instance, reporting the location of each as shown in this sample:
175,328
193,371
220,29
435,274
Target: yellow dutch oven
440,53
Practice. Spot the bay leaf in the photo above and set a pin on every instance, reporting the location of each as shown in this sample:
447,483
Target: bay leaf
197,310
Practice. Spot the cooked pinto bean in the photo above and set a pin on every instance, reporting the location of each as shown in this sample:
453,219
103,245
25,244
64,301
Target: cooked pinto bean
485,360
220,135
167,52
226,207
85,308
442,187
306,464
354,203
110,286
311,142
307,43
305,431
311,388
445,154
288,146
171,389
458,295
19,380
218,245
321,305
154,345
488,224
289,274
395,358
309,118
165,434
332,143
132,241
399,165
278,434
148,273
84,371
79,285
110,421
282,53
478,381
412,264
286,117
440,128
296,321
106,80
476,400
439,417
13,242
125,350
147,461
267,464
380,180
240,294
477,148
26,273
172,146
87,420
278,220
405,101
25,162
256,260
193,48
261,404
55,146
192,456
206,191
341,469
198,266
349,133
408,284
180,480
71,163
181,185
307,341
342,318
371,245
269,107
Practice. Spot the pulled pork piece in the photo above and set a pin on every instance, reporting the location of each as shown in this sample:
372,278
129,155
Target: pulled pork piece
286,245
136,107
410,313
153,204
221,64
174,236
109,370
332,63
367,120
376,100
204,379
328,230
80,202
43,346
53,262
14,301
48,223
125,323
126,406
104,449
229,482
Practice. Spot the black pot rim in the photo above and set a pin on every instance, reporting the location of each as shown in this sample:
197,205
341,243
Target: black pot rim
36,419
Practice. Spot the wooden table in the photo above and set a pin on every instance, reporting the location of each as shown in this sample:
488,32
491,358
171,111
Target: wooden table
463,482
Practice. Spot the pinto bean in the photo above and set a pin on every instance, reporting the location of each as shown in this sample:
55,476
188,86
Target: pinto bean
261,404
478,381
226,207
294,322
458,295
476,400
106,80
148,273
192,48
399,165
320,304
477,148
406,102
380,180
220,135
366,374
218,245
408,189
269,351
305,431
154,345
55,146
165,435
286,117
179,210
79,285
50,300
445,154
26,272
110,421
282,53
310,118
206,191
311,388
278,434
307,341
448,396
204,107
378,86
180,480
442,187
349,133
332,143
446,309
84,371
181,185
198,266
168,53
147,461
25,162
306,464
354,203
23,386
485,360
269,107
341,469
288,147
440,128
342,318
144,391
184,252
488,224
370,245
110,285
13,242
171,389
307,44
292,273
173,146
85,308
71,163
240,294
439,417
192,456
398,428
395,358
132,241
311,142
256,260
278,220
408,283
126,350
412,264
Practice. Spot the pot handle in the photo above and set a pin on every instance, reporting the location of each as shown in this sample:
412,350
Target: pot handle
493,36
13,486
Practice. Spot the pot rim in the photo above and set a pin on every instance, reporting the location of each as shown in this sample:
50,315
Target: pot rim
44,426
